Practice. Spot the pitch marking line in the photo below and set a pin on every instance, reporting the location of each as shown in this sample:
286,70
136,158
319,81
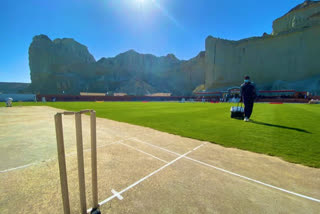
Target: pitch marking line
140,141
116,194
142,179
256,181
15,168
67,155
234,174
51,159
89,149
143,152
198,147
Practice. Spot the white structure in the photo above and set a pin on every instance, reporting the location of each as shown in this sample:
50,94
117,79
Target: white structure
18,97
9,102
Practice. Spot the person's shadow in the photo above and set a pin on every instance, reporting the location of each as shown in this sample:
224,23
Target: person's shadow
279,126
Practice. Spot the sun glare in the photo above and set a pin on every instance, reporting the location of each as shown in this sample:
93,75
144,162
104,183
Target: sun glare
140,1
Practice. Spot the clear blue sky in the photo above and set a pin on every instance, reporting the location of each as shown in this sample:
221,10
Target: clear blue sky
109,27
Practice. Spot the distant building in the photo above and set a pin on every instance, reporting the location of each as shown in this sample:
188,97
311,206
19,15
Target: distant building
119,94
208,94
159,95
235,92
18,97
91,94
284,93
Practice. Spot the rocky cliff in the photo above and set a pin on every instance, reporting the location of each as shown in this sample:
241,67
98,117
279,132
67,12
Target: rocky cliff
289,55
66,66
285,59
14,88
303,15
58,65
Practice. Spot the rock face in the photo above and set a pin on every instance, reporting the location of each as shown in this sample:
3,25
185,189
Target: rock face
303,15
65,66
56,65
313,85
14,88
285,59
290,54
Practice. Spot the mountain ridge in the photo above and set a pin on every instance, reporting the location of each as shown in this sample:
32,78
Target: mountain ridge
66,66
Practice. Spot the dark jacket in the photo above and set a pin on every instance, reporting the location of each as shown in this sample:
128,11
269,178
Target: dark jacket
248,92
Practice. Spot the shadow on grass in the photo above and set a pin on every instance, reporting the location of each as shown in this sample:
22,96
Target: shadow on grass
279,126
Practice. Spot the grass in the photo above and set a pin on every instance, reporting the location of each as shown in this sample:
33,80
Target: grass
288,131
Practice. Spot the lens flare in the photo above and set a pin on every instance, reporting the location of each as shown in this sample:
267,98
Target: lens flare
166,13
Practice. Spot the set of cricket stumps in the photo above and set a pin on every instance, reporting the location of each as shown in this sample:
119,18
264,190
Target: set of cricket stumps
80,157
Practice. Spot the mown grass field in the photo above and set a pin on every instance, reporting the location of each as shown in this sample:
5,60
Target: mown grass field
288,131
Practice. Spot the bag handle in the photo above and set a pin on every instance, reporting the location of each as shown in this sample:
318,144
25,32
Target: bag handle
240,104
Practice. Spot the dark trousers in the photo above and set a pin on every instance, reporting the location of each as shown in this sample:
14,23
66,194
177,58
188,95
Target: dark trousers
248,106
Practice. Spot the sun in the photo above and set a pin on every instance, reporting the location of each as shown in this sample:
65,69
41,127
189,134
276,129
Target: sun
144,2
141,5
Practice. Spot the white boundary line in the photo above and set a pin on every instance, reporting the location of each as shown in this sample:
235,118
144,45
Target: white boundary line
143,152
234,174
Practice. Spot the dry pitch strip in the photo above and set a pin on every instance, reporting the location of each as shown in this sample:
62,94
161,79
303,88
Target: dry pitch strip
81,173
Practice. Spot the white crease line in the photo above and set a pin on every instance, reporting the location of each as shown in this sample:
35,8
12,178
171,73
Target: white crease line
199,146
19,167
235,174
175,153
89,149
142,179
256,181
67,155
104,145
143,152
115,193
51,159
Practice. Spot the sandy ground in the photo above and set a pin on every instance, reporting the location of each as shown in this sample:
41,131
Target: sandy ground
154,172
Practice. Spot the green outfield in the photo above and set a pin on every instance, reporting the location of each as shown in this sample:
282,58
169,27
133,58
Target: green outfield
288,131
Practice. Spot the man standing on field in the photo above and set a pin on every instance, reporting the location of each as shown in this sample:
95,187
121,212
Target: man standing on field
248,95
